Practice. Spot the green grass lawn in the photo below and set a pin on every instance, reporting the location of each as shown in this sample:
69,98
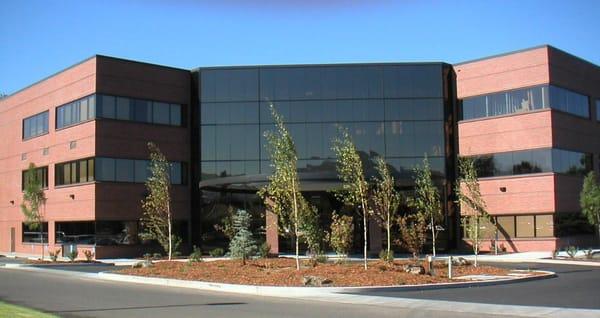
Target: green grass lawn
12,311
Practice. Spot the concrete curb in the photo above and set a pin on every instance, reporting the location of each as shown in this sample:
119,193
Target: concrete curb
277,291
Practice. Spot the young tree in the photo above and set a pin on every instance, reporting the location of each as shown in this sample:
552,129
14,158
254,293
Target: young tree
413,227
242,246
354,191
340,236
34,200
426,200
589,200
472,205
282,195
385,200
157,219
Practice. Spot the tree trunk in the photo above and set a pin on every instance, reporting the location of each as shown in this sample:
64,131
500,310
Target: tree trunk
433,234
170,232
365,238
296,229
389,239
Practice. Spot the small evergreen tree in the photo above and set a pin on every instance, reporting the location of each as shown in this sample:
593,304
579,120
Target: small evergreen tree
340,236
426,200
473,207
354,191
157,220
590,200
385,200
33,201
242,246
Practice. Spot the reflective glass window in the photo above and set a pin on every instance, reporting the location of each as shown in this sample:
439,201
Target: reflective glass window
107,106
35,125
161,113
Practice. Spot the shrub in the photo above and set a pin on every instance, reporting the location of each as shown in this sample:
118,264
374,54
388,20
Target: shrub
242,246
340,236
196,255
54,254
89,255
157,256
386,257
571,251
73,255
217,252
264,250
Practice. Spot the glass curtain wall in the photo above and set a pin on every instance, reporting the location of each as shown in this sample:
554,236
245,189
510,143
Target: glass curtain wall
395,111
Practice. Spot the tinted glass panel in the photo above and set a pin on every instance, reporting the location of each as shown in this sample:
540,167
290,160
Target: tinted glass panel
524,100
40,176
525,226
75,112
506,226
35,125
544,225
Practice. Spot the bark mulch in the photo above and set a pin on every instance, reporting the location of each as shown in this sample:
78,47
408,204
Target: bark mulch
282,272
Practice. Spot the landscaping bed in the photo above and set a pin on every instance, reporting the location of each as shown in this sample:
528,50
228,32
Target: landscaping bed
282,272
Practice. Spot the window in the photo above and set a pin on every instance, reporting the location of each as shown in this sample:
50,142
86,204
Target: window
37,235
135,171
73,172
35,125
598,110
525,100
533,161
76,112
40,176
139,110
525,226
506,226
544,225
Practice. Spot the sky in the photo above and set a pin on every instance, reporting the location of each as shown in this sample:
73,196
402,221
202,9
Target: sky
40,38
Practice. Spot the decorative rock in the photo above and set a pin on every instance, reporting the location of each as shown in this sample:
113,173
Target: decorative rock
414,269
315,281
459,261
142,264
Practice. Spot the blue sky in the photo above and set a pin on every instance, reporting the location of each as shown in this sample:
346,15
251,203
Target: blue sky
40,38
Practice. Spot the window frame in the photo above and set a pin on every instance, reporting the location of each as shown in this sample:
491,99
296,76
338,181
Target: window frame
44,176
32,117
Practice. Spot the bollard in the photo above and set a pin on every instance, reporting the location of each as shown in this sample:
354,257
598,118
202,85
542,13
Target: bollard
450,267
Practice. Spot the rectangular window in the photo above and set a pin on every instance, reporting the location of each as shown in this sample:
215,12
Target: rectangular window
76,112
35,125
35,235
40,176
525,226
139,110
134,171
124,170
544,225
533,161
506,226
525,100
73,172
